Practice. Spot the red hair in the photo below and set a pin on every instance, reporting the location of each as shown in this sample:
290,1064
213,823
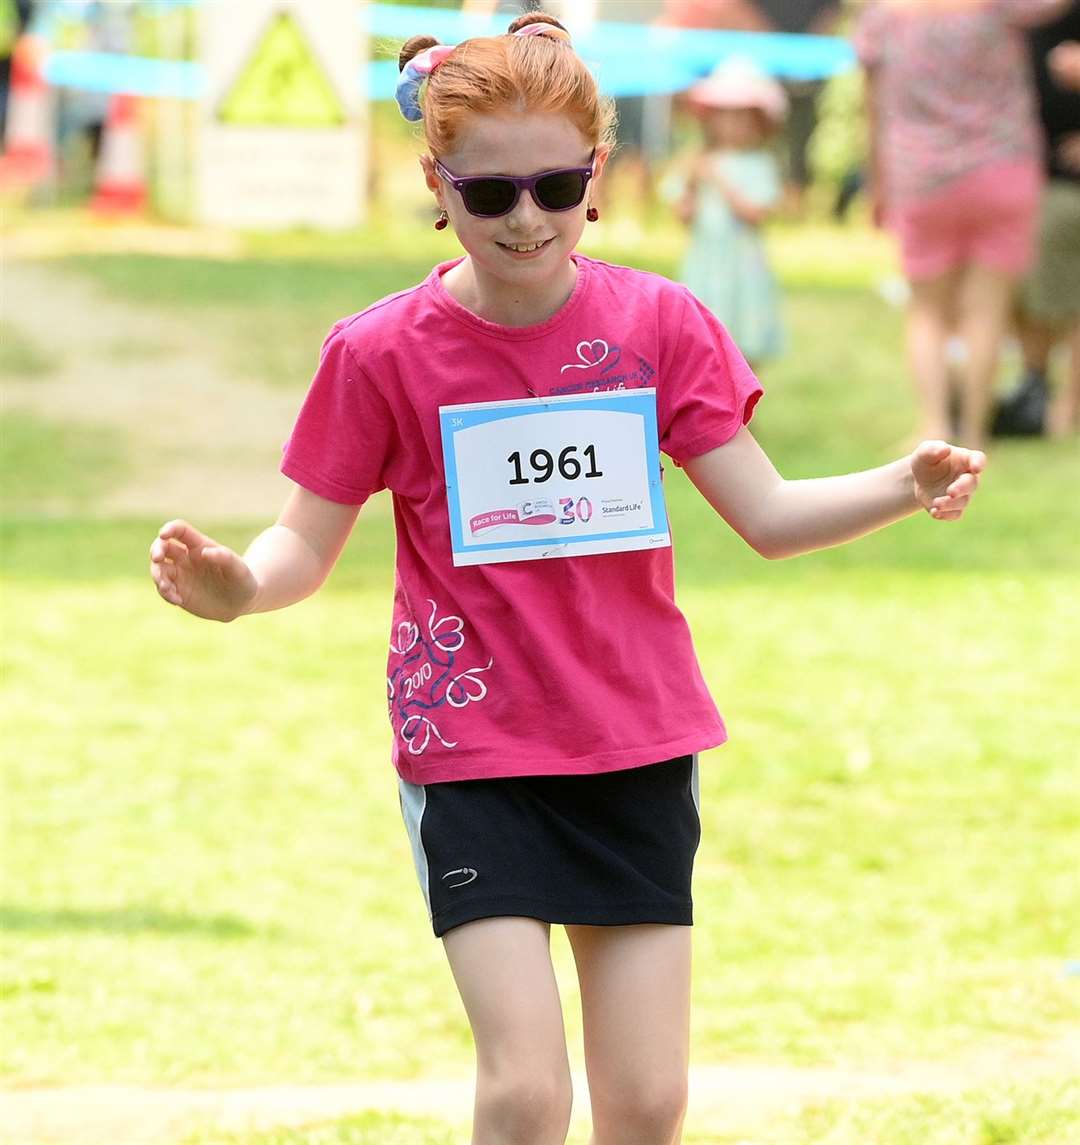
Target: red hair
492,75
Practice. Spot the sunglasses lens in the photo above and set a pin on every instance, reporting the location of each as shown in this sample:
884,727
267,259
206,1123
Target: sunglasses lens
489,196
561,191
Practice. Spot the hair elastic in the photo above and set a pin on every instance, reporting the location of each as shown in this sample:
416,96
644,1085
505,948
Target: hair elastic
424,63
413,75
542,29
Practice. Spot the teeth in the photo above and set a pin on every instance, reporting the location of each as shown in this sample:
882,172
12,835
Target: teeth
523,247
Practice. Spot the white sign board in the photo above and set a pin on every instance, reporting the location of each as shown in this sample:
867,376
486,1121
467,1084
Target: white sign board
283,123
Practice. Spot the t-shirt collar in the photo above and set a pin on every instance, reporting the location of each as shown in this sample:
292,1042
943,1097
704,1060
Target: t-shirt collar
451,306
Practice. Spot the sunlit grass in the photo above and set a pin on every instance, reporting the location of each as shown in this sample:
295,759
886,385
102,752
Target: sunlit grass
207,880
23,358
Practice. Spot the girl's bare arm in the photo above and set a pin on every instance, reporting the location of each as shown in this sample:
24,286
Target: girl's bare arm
782,518
281,566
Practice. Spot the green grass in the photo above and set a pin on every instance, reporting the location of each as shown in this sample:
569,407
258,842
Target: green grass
268,315
44,463
371,1129
207,881
1036,1113
22,358
1044,1114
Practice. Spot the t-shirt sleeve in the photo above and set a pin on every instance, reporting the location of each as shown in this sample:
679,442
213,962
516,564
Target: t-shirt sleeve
341,442
708,390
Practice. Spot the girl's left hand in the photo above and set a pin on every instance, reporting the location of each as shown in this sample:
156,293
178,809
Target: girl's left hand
946,477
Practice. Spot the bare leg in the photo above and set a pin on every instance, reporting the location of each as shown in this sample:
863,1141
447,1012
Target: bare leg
929,321
985,299
1037,339
1065,412
503,971
635,998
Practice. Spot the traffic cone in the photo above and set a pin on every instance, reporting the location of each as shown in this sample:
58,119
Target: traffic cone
28,135
120,185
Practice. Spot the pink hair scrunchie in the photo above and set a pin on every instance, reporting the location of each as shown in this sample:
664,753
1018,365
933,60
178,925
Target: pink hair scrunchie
413,75
542,29
420,67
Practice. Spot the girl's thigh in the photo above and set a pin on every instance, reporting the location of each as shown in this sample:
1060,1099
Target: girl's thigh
503,971
635,1000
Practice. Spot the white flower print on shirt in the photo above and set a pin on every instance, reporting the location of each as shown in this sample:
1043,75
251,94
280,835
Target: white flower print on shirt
424,679
458,694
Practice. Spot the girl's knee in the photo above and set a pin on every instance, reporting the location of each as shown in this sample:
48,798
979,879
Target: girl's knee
524,1104
648,1113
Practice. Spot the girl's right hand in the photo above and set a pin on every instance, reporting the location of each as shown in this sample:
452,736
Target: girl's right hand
194,572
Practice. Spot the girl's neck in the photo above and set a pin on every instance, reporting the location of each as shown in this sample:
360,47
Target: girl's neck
504,304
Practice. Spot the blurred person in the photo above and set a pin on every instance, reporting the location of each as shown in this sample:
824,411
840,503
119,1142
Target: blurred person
955,169
791,17
642,121
1048,305
813,18
546,703
15,16
732,189
96,26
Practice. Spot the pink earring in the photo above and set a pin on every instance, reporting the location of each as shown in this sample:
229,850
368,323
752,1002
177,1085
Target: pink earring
442,222
592,214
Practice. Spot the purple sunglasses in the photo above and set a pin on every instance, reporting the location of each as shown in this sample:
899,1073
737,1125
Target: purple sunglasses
489,196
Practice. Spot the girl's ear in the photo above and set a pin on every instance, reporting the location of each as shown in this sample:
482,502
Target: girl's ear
431,178
603,153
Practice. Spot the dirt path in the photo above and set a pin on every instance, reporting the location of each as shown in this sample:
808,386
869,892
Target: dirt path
205,445
728,1099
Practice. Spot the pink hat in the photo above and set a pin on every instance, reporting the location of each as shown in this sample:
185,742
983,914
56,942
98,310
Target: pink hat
738,82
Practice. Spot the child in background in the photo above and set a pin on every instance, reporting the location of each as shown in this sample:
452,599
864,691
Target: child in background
733,188
546,703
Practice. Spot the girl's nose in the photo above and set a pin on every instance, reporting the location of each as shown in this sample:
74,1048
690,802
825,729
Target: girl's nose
526,214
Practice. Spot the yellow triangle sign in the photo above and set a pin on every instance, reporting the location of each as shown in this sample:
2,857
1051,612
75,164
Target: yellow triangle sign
282,84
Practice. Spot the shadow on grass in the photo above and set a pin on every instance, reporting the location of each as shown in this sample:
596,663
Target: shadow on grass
125,920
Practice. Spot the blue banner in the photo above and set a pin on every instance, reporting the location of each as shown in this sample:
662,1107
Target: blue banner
627,59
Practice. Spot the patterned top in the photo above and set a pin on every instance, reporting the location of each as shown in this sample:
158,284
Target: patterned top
955,92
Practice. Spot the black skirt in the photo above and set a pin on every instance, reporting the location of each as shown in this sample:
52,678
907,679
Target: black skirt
614,849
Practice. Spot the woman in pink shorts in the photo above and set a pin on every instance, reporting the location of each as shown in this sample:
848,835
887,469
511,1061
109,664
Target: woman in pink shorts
956,173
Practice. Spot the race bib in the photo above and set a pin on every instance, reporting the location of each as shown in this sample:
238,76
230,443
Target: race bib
553,477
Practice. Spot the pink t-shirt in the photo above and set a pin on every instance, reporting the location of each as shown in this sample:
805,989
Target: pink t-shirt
955,90
542,667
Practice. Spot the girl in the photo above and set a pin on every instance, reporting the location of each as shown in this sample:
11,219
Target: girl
732,190
545,701
955,157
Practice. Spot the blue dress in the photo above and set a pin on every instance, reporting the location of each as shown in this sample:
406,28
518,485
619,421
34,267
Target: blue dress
725,264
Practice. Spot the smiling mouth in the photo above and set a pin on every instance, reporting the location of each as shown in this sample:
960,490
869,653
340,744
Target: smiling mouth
525,248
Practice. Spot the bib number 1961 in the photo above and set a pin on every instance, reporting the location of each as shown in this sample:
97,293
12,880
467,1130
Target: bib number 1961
561,476
544,465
